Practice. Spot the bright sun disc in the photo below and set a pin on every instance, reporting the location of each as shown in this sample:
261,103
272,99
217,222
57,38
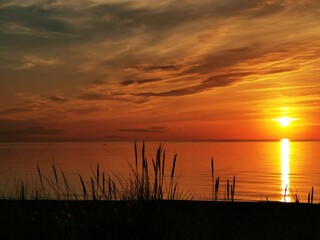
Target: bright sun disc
284,121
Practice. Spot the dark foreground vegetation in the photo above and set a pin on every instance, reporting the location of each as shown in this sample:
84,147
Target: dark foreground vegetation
44,219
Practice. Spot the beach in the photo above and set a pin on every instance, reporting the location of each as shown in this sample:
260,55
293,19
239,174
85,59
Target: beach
54,219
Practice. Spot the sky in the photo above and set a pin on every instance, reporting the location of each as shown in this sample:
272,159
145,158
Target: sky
75,70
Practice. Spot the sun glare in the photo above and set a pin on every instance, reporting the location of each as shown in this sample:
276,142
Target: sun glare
284,121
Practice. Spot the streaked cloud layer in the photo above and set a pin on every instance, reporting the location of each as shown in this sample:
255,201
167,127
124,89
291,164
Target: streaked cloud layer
99,70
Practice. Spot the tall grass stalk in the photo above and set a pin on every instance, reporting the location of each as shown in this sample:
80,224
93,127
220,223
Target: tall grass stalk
310,196
84,190
215,183
212,179
216,189
103,184
149,181
57,181
65,184
93,190
173,185
229,190
233,188
40,177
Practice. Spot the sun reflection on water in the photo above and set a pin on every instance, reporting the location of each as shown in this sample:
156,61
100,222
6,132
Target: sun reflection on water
285,170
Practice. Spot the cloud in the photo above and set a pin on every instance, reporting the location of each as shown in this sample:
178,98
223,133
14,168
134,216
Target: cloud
223,59
92,96
151,68
98,82
208,84
49,23
57,99
281,70
140,81
229,62
238,63
125,33
127,82
38,130
13,110
84,110
20,130
104,95
145,130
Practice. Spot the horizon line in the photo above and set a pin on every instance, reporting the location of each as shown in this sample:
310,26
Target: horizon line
167,140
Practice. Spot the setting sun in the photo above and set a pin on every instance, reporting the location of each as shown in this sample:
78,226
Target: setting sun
284,121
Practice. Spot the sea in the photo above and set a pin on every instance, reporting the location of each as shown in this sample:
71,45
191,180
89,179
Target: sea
281,170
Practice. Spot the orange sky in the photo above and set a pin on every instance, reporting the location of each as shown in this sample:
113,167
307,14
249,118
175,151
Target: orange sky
159,70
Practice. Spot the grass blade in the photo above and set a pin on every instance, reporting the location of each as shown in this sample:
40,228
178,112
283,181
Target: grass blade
212,178
65,184
233,187
93,190
216,189
56,179
41,180
84,190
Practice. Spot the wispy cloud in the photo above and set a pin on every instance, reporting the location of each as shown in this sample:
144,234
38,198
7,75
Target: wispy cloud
13,110
210,83
152,68
26,130
145,130
140,81
58,99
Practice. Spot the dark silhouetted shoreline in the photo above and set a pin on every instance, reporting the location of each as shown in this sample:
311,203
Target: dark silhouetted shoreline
176,219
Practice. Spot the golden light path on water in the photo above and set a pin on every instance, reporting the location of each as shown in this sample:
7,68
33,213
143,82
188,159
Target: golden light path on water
285,170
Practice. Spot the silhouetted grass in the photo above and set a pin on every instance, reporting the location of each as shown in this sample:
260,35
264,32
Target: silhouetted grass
310,196
230,188
149,179
150,183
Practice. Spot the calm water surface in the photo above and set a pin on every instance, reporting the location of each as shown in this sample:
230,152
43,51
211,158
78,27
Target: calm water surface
262,169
